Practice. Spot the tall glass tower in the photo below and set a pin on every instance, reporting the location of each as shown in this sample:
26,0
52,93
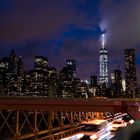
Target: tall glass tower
103,62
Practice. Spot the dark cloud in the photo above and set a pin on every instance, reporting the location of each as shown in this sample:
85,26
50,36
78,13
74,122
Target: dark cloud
35,19
43,19
122,22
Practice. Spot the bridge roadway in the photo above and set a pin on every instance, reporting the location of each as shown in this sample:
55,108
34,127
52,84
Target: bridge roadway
130,106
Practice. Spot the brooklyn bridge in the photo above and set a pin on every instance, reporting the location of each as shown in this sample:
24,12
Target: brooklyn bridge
54,118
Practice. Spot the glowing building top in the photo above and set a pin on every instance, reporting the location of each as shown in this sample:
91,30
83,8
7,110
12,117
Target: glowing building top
103,62
103,40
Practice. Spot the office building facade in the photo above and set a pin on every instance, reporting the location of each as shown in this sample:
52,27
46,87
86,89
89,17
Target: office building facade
130,72
103,64
71,64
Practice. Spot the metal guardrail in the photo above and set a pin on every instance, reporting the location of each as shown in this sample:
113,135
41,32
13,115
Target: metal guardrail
68,133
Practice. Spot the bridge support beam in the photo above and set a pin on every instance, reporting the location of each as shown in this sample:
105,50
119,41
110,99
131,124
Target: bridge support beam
17,133
40,125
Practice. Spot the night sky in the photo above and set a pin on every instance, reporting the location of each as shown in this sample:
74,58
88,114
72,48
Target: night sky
70,29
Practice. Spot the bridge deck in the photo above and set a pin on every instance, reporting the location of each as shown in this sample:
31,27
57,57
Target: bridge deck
67,104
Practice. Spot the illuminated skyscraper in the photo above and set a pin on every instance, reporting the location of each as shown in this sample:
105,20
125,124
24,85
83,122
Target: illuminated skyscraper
103,60
130,72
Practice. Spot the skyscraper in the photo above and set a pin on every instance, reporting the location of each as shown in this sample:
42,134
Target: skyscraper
93,81
40,62
20,77
118,77
103,62
130,72
13,62
20,67
118,81
72,65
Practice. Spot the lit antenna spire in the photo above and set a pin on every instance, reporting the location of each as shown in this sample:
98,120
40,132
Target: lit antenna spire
103,40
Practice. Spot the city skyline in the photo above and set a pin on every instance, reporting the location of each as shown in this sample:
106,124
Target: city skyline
17,66
71,30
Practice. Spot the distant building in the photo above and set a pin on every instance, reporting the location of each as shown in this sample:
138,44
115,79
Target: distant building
72,65
40,62
66,72
4,64
93,86
20,77
130,72
112,78
103,62
38,78
20,67
118,81
124,85
66,76
37,83
118,76
93,81
76,87
83,90
11,75
53,82
13,62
